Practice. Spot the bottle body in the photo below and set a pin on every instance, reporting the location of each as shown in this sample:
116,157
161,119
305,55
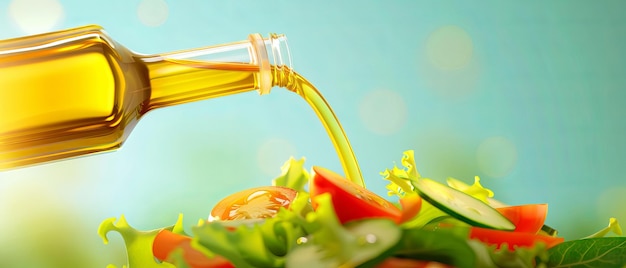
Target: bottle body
66,94
76,92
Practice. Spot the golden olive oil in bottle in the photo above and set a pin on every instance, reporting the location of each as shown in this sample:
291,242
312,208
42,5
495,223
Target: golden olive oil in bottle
77,91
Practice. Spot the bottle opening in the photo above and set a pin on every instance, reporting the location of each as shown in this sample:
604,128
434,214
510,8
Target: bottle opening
280,51
270,52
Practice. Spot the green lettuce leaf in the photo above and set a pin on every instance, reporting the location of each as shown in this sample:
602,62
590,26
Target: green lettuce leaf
138,243
329,234
523,257
244,247
331,244
400,178
428,214
613,227
444,245
476,190
176,257
264,244
606,252
293,175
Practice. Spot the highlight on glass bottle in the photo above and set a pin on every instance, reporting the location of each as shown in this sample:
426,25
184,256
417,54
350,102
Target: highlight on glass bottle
78,91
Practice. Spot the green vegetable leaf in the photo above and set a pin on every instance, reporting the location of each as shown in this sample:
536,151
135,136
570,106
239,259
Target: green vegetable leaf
445,245
293,175
428,213
408,161
488,256
613,227
264,244
215,237
606,252
331,244
138,243
330,234
476,190
176,257
400,179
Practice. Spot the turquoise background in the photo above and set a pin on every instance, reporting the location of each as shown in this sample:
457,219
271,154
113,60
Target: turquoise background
527,95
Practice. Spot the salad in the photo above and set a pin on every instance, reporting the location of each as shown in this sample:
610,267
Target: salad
320,219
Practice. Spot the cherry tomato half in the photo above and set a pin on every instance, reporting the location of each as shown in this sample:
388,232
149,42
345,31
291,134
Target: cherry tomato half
165,242
512,239
255,203
350,200
527,218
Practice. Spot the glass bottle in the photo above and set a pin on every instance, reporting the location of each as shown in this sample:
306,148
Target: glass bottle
77,91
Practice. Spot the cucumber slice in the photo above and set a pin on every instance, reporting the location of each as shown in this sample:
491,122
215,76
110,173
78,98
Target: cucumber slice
461,205
549,230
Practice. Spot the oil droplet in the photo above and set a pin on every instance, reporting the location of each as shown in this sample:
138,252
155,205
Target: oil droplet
370,238
367,239
302,240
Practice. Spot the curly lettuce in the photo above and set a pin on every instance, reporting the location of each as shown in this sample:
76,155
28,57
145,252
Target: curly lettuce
138,243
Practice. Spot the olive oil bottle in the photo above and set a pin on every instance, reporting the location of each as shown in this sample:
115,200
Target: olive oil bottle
76,92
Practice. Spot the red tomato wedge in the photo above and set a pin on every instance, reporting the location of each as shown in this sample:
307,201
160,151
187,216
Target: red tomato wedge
411,206
350,200
526,218
255,203
165,242
512,239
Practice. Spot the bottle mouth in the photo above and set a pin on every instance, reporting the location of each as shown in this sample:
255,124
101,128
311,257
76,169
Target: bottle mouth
267,53
280,50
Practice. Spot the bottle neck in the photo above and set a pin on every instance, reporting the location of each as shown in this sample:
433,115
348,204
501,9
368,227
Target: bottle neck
217,71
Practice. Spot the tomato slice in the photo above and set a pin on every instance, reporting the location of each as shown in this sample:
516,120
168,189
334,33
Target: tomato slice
411,206
526,218
166,241
350,200
512,239
255,203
